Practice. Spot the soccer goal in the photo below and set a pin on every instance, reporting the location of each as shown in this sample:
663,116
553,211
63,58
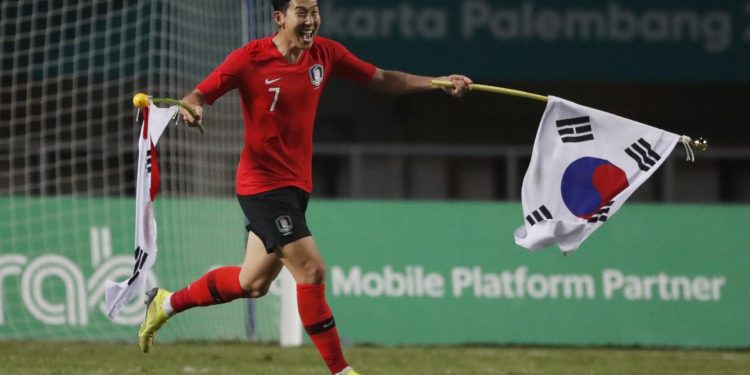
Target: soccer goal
67,166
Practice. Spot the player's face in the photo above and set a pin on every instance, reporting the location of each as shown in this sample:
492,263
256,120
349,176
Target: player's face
300,22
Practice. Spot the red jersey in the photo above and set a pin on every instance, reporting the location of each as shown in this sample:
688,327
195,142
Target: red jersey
279,103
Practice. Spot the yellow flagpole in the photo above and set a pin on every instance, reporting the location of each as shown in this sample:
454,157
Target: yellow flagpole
494,89
699,144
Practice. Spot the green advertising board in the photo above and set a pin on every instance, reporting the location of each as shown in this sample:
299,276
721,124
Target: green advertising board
544,40
449,273
56,253
398,273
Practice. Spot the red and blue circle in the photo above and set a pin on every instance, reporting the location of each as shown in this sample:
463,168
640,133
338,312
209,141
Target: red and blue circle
589,183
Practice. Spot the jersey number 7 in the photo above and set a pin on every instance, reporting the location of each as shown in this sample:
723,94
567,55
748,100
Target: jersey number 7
275,91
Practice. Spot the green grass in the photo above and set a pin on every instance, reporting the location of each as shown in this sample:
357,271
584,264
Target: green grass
240,358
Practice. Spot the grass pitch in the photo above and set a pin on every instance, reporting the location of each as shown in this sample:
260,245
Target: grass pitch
241,358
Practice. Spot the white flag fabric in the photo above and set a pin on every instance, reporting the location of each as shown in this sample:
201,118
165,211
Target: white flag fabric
584,165
116,295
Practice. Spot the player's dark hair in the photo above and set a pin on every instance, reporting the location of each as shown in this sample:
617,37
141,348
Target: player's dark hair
280,5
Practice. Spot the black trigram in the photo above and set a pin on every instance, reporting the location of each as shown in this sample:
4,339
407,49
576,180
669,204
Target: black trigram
148,160
642,153
536,215
577,129
140,260
602,214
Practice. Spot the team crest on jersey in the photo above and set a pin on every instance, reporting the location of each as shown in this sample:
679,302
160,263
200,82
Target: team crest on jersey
316,74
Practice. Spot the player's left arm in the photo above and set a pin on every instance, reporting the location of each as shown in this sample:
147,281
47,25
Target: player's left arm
395,82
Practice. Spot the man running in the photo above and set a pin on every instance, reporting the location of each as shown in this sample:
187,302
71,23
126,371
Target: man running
280,80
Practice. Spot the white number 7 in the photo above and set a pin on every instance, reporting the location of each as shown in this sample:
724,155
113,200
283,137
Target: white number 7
276,91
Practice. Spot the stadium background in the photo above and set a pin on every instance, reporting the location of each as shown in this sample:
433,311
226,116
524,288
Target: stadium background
390,172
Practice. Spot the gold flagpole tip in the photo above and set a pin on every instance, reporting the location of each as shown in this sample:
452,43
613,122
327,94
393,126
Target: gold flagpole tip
140,100
700,144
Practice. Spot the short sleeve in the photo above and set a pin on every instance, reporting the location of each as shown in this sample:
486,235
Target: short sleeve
225,77
348,66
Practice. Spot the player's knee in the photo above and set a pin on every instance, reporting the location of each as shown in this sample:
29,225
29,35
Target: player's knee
315,273
255,288
259,292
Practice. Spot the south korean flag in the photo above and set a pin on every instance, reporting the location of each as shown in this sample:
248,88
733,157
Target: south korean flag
584,165
117,295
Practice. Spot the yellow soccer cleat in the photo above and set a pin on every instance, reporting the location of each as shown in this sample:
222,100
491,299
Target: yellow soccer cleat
347,371
155,318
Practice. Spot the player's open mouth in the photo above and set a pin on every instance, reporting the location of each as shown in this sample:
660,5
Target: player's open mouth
307,35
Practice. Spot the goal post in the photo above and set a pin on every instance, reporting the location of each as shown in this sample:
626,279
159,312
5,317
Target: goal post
67,164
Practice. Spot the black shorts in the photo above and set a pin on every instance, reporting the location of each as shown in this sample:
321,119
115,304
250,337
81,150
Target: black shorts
276,216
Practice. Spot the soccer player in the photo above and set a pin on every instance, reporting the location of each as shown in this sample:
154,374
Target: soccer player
280,80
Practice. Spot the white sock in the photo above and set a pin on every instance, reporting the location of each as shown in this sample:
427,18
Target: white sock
344,371
167,305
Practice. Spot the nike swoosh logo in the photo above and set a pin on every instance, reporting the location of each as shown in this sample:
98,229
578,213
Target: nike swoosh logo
270,81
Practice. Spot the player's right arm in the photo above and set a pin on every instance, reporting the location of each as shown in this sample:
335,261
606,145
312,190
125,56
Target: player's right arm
224,78
196,100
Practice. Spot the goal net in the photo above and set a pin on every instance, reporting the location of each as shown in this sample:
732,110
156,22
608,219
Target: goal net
67,166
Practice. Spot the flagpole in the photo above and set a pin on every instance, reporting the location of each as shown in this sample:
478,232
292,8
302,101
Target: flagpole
700,144
494,89
141,100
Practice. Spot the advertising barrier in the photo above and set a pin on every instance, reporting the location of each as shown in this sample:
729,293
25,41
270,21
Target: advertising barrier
55,254
543,40
449,273
398,273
